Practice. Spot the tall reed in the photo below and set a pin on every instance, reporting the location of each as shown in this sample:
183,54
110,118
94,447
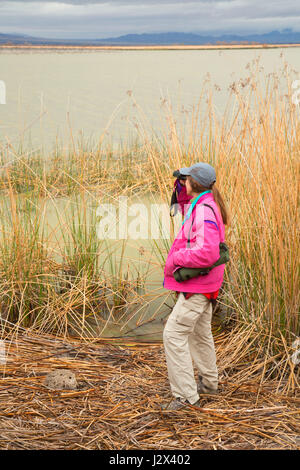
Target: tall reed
254,146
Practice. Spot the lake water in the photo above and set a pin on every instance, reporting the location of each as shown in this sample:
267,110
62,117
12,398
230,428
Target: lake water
54,96
149,303
115,94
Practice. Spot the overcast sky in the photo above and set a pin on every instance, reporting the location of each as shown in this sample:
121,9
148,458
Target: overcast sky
110,18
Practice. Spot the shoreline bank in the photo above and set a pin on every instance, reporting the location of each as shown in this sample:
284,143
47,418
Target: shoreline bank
152,47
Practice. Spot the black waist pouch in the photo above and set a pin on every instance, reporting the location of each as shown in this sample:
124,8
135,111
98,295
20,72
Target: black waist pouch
184,274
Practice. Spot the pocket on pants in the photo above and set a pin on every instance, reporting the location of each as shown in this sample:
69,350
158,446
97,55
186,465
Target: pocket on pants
187,317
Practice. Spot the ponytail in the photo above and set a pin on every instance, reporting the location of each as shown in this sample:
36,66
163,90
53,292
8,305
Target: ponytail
198,188
221,204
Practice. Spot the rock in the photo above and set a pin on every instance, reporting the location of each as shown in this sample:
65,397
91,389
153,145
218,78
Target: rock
61,379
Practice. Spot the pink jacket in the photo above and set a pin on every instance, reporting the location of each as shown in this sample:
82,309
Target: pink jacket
197,245
182,198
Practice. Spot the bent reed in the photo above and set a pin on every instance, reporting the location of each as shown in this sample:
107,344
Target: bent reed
53,279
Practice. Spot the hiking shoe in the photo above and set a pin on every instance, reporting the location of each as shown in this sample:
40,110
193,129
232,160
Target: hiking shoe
198,403
178,404
175,405
204,390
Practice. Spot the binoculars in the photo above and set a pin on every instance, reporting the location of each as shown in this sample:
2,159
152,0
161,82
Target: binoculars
177,175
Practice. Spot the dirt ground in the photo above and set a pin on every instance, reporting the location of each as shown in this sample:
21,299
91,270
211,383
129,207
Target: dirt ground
121,388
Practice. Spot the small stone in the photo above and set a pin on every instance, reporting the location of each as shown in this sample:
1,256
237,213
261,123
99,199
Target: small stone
61,379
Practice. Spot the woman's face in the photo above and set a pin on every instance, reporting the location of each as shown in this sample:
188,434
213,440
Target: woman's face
188,187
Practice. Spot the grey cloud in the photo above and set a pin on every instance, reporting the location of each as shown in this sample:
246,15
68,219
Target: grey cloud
125,2
103,18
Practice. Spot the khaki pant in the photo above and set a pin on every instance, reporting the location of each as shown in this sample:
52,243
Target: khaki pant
187,336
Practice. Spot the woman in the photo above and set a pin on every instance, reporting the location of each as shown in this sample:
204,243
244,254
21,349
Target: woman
187,335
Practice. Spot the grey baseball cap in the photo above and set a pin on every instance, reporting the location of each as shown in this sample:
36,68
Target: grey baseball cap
201,172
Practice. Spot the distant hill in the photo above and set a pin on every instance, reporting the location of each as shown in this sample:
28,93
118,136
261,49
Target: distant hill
274,37
287,36
23,39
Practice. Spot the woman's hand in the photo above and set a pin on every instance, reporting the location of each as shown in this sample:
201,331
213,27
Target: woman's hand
170,265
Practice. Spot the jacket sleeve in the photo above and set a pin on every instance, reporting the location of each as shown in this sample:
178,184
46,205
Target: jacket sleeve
203,250
183,199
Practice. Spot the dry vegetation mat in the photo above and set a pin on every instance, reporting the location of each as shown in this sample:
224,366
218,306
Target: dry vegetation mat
60,279
121,387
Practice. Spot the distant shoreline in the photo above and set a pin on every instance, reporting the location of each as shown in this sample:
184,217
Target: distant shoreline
145,47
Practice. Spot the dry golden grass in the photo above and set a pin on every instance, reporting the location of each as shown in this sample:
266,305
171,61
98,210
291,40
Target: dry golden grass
254,146
121,389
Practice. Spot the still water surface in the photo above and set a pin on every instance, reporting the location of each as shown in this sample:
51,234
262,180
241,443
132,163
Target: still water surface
54,96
